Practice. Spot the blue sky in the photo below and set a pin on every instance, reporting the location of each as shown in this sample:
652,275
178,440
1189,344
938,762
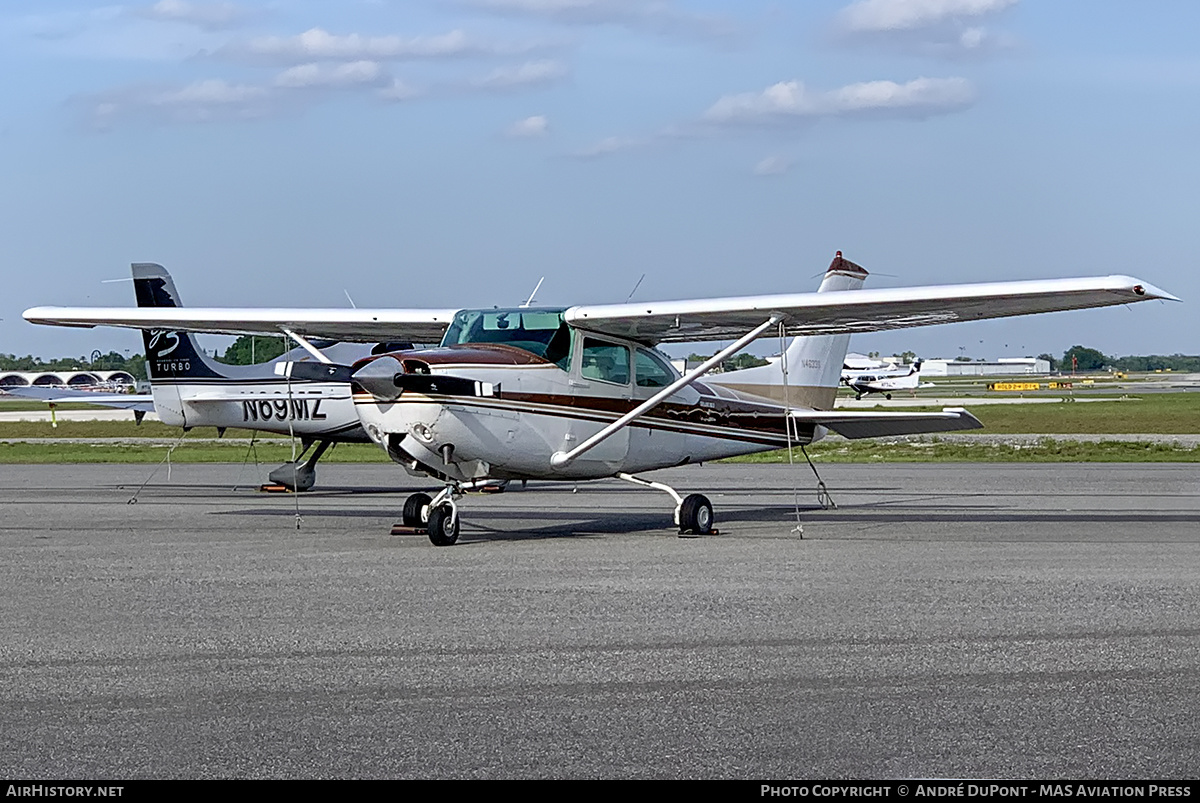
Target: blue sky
452,152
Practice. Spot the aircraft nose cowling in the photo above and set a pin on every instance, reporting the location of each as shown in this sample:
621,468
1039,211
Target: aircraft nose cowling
378,377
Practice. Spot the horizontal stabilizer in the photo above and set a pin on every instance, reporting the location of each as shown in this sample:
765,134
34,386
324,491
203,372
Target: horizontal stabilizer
856,424
118,401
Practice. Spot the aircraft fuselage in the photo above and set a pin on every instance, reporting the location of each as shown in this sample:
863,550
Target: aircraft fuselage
532,408
305,409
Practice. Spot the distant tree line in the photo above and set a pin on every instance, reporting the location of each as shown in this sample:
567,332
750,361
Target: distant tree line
251,349
735,363
1086,359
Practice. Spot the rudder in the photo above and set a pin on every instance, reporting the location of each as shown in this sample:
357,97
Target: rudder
169,355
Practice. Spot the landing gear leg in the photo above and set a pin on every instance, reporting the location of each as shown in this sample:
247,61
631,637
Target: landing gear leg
301,475
693,513
439,514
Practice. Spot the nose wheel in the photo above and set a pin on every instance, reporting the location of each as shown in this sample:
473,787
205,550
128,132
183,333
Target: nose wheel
443,525
416,510
438,516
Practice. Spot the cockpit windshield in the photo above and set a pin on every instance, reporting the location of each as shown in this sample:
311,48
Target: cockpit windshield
542,332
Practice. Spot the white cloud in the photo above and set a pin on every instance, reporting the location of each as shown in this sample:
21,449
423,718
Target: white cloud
536,126
210,92
202,101
317,44
937,28
908,15
312,75
400,90
210,16
791,100
773,166
608,145
658,16
531,72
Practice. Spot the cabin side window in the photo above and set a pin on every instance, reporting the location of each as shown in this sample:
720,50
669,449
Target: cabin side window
607,362
652,372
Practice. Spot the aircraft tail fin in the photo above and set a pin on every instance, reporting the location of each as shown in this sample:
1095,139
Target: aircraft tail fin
169,355
814,362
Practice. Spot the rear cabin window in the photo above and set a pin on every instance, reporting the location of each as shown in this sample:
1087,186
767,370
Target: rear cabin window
543,333
652,372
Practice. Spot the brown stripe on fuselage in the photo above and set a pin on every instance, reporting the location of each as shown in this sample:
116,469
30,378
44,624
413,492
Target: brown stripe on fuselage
762,425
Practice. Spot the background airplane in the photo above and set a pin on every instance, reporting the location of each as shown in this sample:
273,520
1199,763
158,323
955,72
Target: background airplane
190,389
865,383
579,393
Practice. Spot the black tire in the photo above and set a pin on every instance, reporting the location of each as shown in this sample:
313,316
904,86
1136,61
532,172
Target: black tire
443,531
413,506
888,397
858,397
696,515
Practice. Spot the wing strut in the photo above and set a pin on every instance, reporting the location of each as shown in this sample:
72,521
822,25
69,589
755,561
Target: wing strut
304,344
560,458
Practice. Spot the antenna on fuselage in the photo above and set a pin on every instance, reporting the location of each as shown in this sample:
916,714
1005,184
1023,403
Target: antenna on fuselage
348,298
529,300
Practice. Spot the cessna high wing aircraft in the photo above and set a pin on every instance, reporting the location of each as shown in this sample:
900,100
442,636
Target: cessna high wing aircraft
867,382
188,389
579,393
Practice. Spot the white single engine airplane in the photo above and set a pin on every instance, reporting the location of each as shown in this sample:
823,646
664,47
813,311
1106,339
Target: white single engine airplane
188,389
579,393
864,382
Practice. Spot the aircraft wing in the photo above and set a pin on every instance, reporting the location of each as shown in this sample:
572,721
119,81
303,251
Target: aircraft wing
121,401
849,311
855,424
353,325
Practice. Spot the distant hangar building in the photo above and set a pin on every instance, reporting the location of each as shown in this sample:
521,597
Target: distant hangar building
1005,366
74,378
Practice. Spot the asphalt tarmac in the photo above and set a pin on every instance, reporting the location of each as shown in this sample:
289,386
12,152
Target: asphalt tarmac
962,621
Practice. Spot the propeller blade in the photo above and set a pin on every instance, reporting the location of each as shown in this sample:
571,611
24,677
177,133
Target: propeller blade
442,385
385,379
316,371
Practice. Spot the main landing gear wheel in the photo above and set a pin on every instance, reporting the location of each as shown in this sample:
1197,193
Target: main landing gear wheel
413,507
888,396
695,515
443,526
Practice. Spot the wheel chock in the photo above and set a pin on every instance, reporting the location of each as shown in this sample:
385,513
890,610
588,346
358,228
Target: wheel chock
692,534
271,488
404,529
